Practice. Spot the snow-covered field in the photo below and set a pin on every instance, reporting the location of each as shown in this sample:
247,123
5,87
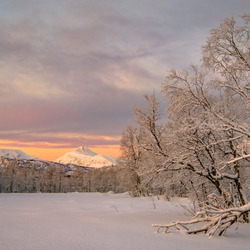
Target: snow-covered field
100,221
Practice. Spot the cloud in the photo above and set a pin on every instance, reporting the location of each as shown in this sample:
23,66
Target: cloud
54,140
77,66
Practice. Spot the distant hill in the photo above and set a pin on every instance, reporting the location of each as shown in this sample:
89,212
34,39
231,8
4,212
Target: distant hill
83,156
16,154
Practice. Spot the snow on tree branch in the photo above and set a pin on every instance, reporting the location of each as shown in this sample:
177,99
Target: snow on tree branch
216,221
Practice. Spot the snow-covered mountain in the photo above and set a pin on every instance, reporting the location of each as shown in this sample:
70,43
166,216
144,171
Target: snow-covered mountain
83,156
16,154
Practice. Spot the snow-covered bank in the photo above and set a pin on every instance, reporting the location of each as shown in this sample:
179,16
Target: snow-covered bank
99,221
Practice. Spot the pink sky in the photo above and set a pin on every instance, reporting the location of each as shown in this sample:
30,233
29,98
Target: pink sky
70,70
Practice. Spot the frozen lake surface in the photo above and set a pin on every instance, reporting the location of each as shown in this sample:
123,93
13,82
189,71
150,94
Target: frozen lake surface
100,221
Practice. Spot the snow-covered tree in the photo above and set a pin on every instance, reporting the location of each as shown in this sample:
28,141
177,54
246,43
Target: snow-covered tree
207,123
210,113
131,156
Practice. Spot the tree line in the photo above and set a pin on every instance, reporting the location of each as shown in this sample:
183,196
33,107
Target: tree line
31,176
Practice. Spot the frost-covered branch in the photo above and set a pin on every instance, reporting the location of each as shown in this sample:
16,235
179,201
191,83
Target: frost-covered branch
238,159
216,221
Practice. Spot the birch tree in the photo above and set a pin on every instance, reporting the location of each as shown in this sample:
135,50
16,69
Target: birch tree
209,117
207,123
131,156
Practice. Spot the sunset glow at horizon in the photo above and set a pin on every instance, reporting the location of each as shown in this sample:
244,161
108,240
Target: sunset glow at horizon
71,70
51,154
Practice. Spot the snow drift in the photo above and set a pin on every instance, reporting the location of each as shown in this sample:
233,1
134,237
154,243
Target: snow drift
100,221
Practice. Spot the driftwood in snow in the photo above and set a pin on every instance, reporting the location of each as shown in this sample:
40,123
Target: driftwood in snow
212,221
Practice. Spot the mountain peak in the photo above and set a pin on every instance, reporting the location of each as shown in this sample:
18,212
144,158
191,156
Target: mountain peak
16,154
85,157
85,151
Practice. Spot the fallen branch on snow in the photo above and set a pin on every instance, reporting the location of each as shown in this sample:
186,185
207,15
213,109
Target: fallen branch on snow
214,221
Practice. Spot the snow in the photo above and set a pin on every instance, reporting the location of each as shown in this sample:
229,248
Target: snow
100,221
85,151
16,154
85,157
